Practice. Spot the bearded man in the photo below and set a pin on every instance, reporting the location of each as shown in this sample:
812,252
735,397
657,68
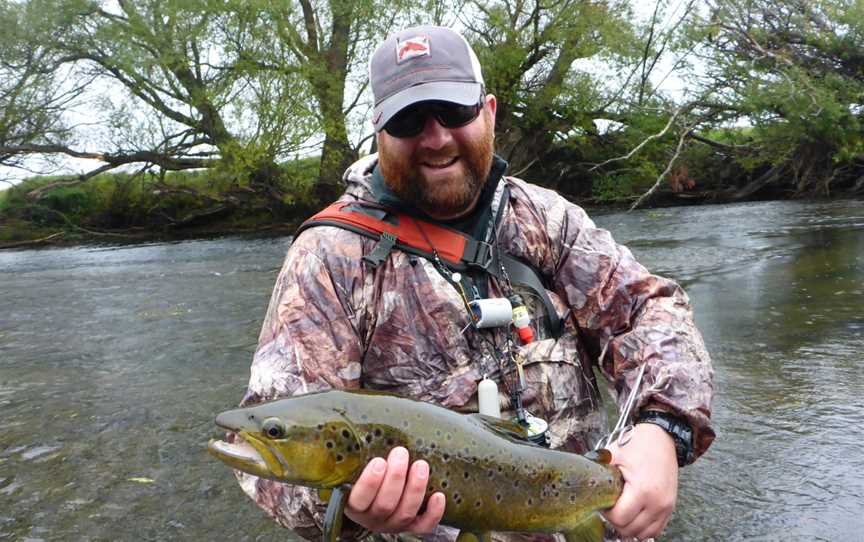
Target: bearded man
400,324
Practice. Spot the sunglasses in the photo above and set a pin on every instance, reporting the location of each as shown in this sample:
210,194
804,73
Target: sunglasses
410,121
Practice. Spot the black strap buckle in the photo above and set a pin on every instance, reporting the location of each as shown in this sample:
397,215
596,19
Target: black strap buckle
381,250
482,256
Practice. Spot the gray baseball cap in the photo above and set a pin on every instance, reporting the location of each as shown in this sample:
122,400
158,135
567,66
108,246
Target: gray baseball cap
422,63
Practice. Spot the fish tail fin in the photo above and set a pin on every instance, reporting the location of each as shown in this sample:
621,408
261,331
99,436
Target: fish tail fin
332,527
590,530
467,536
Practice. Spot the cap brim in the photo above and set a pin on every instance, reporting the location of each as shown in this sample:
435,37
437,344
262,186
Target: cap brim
462,93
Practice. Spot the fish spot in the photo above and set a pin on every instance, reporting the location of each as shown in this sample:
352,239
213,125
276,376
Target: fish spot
339,458
444,484
390,441
466,475
432,445
498,497
377,431
438,433
478,503
419,442
457,498
368,437
356,447
490,474
448,436
446,457
346,433
592,483
320,426
530,501
572,499
329,444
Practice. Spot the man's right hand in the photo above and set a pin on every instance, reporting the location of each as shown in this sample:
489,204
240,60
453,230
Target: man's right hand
388,495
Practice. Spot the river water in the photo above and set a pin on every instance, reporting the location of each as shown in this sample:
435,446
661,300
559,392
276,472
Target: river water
113,361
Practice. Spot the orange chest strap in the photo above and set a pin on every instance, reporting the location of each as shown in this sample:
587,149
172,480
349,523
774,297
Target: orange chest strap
414,236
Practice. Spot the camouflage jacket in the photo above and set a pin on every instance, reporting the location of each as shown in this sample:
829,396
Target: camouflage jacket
334,322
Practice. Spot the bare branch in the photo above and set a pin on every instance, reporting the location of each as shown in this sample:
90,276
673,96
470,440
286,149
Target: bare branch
644,142
665,172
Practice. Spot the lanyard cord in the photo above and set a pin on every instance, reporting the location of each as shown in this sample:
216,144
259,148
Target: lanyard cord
515,388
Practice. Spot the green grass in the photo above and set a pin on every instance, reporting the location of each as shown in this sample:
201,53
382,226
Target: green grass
154,203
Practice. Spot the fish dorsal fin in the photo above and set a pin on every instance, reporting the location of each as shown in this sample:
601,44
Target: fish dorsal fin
505,428
602,455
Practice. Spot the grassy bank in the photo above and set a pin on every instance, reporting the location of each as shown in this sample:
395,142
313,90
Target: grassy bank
122,206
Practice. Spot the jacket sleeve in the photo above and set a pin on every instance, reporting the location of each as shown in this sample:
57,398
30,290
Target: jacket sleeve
629,317
310,341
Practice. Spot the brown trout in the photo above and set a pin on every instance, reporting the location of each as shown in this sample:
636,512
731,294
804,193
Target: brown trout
492,478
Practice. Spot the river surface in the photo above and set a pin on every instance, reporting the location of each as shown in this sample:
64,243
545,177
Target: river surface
114,360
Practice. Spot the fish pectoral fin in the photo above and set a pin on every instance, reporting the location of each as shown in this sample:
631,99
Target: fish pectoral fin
468,536
505,428
590,530
334,515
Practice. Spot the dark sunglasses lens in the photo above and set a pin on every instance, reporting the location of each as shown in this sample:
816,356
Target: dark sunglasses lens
455,116
406,123
410,122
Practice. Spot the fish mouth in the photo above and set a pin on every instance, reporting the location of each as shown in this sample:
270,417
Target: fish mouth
240,454
241,449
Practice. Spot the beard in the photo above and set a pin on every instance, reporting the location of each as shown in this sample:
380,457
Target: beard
443,197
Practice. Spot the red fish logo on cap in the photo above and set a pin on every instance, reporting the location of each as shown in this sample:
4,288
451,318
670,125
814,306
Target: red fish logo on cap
412,48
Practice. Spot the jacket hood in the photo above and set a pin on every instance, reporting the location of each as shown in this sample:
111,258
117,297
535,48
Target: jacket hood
358,177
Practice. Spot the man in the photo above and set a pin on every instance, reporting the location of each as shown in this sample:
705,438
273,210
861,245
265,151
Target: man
402,326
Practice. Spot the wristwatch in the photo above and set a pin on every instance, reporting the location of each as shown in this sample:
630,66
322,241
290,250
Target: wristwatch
678,429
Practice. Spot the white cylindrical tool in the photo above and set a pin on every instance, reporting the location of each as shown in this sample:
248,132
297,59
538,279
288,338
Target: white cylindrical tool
491,312
487,398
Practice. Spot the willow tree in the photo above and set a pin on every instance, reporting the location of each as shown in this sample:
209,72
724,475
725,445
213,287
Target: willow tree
529,52
172,89
328,45
794,71
32,99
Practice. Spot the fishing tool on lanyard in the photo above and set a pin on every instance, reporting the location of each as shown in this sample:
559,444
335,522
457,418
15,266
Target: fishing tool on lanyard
623,431
490,313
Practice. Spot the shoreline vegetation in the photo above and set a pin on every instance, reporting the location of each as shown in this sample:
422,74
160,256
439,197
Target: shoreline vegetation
194,113
121,208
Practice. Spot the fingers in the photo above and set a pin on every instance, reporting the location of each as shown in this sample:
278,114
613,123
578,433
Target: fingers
631,517
388,495
390,492
431,517
366,487
625,510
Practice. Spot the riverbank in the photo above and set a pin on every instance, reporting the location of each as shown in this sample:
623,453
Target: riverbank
122,208
19,233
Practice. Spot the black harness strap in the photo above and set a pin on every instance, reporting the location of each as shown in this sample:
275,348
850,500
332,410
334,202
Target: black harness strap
477,255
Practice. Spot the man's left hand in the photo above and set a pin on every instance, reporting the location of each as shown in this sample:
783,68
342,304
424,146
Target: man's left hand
650,469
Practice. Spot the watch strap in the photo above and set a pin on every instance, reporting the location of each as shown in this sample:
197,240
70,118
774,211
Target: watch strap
677,428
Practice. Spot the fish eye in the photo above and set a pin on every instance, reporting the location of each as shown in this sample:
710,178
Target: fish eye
273,428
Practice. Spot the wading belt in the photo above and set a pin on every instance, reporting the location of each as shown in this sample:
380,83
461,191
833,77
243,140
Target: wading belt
459,251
